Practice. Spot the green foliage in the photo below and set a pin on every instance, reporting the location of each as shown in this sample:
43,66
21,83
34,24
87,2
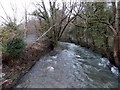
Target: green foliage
15,47
8,32
12,26
93,32
0,48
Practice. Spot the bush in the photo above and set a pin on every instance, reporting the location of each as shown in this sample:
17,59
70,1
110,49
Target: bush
15,47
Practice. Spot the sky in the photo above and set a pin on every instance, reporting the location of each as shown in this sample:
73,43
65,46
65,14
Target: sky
20,6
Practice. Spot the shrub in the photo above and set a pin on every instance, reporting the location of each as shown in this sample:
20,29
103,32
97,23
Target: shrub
15,47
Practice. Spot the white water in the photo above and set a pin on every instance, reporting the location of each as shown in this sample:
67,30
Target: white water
71,66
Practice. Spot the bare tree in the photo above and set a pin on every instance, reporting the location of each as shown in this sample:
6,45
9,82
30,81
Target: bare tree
60,17
26,21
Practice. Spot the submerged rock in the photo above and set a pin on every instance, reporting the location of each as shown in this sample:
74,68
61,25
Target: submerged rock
50,68
54,57
77,56
49,60
115,70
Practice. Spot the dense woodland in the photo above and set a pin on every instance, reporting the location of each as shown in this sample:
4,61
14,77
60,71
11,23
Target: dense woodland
95,25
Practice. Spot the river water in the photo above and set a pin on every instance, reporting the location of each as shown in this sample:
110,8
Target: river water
70,66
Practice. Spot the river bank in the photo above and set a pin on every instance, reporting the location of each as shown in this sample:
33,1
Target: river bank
13,70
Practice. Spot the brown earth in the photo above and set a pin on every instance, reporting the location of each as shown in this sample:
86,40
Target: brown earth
15,69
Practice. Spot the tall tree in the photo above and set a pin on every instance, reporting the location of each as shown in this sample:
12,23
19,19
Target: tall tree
102,19
117,36
66,14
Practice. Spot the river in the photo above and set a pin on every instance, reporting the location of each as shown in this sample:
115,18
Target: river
70,66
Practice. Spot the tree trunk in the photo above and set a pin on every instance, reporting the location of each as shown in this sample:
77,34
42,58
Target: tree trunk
113,15
116,50
117,36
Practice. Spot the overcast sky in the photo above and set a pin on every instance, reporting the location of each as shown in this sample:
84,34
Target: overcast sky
20,4
17,4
